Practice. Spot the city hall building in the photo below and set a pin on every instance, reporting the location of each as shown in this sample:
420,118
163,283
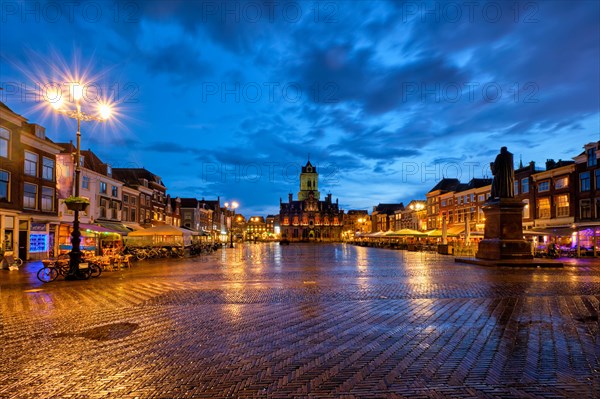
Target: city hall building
310,219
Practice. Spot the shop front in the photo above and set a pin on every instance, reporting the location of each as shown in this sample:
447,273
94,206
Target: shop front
95,240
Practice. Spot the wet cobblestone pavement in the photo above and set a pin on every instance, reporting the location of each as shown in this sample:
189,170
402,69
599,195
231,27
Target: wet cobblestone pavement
322,321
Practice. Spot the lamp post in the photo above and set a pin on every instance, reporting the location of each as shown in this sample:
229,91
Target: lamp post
77,113
231,208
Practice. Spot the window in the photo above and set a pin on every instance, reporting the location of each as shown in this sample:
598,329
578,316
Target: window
47,199
585,209
30,196
543,207
562,205
115,191
103,188
4,142
133,219
443,202
48,169
591,157
133,200
481,198
125,199
142,200
526,209
597,207
103,206
543,186
516,186
125,214
31,162
525,185
584,181
561,182
85,182
4,185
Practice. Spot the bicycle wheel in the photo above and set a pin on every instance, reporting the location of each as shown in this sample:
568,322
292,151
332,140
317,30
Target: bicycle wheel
84,274
18,262
95,269
47,274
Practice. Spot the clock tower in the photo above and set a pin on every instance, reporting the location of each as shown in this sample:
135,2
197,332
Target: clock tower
309,183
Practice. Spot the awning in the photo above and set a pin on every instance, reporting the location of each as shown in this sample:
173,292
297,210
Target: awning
438,233
93,227
561,231
133,226
456,230
116,227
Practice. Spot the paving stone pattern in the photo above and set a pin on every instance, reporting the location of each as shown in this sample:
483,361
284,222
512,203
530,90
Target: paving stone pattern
303,321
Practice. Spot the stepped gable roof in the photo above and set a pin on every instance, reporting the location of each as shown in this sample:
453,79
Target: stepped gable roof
210,204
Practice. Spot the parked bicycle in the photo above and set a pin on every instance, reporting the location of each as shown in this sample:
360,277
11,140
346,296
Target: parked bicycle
61,267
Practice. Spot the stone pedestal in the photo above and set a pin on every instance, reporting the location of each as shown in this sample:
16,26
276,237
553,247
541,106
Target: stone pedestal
503,236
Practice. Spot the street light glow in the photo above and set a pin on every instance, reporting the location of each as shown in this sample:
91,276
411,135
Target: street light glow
105,111
77,91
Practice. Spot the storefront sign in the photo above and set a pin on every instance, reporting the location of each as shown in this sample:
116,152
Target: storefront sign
38,226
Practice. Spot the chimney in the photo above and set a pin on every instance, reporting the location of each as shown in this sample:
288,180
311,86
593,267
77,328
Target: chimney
290,197
550,164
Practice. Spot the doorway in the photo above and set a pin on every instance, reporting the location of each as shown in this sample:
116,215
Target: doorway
23,244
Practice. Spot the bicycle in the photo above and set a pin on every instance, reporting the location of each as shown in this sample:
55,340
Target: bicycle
60,267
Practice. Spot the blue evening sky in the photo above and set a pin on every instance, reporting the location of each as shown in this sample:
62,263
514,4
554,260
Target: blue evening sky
229,98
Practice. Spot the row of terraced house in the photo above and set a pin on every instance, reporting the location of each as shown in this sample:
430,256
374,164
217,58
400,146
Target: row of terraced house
562,202
36,175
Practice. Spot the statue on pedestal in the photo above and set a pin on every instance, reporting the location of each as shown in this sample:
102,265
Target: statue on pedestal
504,175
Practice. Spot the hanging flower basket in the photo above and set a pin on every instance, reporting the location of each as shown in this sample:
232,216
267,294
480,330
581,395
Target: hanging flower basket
77,203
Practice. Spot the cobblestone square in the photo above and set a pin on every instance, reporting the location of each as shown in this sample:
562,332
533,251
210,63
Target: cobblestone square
304,321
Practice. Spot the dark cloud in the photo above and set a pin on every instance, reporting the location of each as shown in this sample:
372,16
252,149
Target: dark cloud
378,83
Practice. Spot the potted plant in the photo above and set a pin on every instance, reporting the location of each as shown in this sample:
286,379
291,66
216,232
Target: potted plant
77,203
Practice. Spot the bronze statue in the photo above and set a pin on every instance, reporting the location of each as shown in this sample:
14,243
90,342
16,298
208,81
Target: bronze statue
504,175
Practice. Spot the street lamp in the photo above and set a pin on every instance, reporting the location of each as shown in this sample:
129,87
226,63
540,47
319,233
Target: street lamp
231,207
104,112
